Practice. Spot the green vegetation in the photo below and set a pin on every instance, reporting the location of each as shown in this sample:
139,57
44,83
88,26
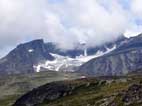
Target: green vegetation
98,93
14,86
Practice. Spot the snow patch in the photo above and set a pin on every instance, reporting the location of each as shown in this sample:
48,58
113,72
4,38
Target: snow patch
30,50
37,68
83,77
98,54
65,63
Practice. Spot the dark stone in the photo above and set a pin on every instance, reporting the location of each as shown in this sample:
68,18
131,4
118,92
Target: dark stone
46,93
134,94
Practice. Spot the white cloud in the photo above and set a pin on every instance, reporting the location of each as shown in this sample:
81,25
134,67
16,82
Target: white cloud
133,31
18,19
66,22
135,25
96,23
90,21
136,6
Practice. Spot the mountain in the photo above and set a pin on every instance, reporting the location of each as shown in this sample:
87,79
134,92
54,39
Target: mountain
37,55
127,57
22,58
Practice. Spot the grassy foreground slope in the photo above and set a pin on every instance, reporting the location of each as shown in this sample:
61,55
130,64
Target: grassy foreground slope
124,91
99,91
12,87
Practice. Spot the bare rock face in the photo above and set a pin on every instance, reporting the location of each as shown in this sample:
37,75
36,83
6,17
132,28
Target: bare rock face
126,58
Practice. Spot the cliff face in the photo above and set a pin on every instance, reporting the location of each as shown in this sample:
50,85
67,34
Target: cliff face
126,58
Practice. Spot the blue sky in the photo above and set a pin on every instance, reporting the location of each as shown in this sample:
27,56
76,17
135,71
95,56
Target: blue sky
67,22
56,1
126,3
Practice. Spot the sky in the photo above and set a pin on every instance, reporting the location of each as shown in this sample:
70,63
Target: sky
67,22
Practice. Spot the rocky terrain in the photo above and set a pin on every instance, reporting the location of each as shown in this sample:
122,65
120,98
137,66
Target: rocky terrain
130,97
126,58
99,91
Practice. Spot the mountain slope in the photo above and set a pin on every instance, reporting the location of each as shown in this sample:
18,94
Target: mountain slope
126,58
34,56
